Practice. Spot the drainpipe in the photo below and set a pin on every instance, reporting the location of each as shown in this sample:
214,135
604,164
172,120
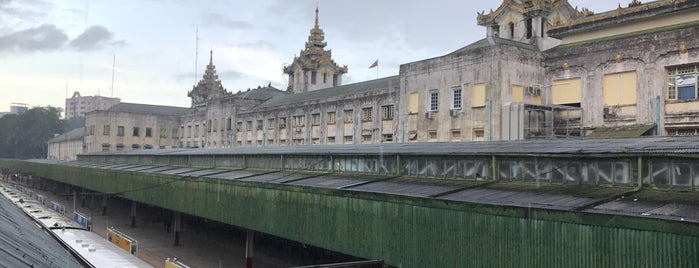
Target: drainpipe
490,120
657,115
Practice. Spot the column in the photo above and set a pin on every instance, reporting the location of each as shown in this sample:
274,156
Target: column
133,214
248,248
177,223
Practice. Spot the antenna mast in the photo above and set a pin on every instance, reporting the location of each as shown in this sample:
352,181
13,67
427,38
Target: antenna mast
113,65
196,57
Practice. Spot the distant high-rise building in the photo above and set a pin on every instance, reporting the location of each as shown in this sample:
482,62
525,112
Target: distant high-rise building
77,106
18,108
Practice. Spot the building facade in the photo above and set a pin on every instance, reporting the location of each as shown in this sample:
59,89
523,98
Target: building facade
78,106
129,126
67,146
543,70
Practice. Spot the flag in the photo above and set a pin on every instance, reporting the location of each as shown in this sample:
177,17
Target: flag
375,64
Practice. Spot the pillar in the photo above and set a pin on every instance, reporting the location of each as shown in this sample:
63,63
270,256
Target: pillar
177,222
248,248
133,214
104,205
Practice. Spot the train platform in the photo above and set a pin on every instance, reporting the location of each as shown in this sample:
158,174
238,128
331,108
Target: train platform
198,247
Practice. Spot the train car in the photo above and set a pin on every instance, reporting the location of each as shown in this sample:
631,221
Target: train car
91,248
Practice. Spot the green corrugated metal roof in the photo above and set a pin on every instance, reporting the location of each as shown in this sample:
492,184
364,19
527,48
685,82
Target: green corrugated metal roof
621,131
339,91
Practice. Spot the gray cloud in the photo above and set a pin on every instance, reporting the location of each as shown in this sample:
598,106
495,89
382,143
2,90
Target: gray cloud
24,10
218,20
231,75
95,38
43,38
257,44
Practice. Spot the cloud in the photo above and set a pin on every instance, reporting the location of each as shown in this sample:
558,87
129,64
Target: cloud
24,10
46,37
231,75
257,44
218,20
95,38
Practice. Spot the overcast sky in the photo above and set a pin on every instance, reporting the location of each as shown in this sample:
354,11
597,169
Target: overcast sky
48,46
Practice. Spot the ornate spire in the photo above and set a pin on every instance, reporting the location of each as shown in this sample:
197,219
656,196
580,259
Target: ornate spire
314,60
316,17
315,40
209,87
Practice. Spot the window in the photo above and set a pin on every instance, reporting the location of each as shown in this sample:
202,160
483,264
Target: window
413,103
348,140
620,89
259,125
239,127
163,132
512,30
298,120
313,77
209,126
331,140
432,135
105,130
91,130
325,78
282,123
331,118
387,112
530,30
248,125
174,133
387,138
120,131
682,83
434,100
349,114
135,132
222,125
496,30
412,135
455,135
270,123
366,138
456,95
566,91
478,134
335,82
517,93
149,132
189,131
315,119
228,124
196,130
366,114
478,99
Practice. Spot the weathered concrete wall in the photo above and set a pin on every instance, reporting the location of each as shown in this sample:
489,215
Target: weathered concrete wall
649,55
498,66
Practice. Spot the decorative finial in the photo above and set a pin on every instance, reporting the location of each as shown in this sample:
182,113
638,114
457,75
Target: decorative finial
316,15
211,56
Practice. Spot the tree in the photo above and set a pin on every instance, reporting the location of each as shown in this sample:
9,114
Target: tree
26,135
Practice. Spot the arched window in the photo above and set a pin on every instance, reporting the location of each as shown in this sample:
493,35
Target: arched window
512,30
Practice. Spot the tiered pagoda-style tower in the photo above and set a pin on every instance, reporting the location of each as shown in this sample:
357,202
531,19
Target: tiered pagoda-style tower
314,68
209,87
